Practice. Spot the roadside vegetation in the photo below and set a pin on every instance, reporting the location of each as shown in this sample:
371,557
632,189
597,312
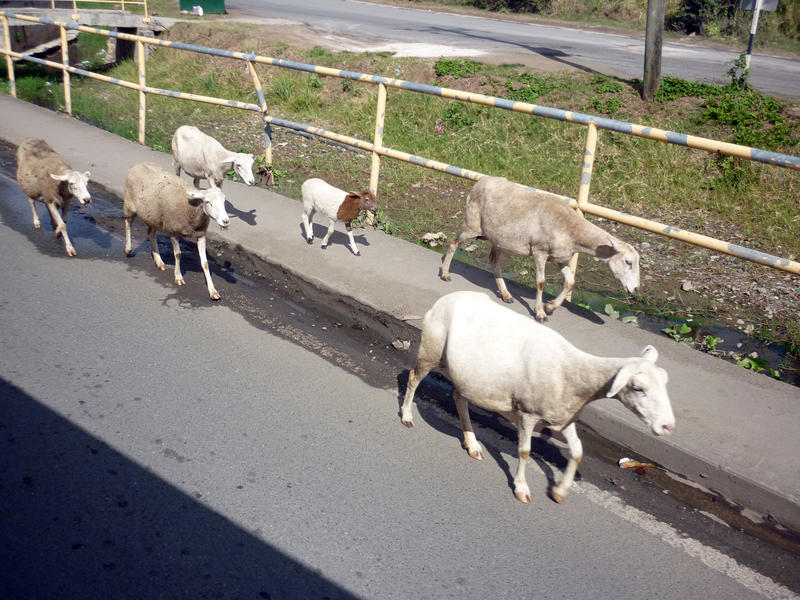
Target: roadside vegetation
715,20
750,204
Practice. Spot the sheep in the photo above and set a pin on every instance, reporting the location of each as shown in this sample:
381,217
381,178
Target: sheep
167,203
506,363
335,204
203,157
44,176
522,222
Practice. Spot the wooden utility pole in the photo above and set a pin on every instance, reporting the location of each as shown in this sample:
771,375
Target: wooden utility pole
653,42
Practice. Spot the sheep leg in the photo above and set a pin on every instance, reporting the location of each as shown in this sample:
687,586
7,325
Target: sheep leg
196,182
60,228
176,252
36,222
539,260
415,375
128,223
494,258
328,235
559,493
201,250
569,283
444,271
309,229
151,233
352,241
525,423
470,441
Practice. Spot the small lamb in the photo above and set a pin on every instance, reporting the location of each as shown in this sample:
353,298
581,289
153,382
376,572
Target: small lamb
44,176
167,203
203,157
335,204
504,362
524,222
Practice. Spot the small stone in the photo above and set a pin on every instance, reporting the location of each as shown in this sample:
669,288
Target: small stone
687,286
749,329
739,322
401,344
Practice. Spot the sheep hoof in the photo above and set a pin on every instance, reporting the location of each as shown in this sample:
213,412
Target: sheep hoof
444,276
180,282
309,241
475,453
357,253
71,251
523,496
37,226
214,295
324,246
541,317
408,422
557,496
508,300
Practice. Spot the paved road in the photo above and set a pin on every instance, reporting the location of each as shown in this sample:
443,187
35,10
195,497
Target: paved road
157,445
409,30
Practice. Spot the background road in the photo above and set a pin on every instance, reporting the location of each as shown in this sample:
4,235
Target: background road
412,31
157,445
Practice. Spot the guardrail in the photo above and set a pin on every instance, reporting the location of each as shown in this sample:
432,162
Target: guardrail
377,149
121,3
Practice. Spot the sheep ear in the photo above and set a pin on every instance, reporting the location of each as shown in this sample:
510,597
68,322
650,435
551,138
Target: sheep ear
607,250
650,354
63,177
230,159
620,381
195,197
87,174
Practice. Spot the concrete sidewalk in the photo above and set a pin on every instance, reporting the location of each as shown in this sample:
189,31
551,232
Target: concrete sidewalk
737,432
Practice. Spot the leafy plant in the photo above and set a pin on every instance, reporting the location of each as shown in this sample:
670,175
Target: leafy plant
677,333
456,116
753,362
609,310
605,85
455,67
710,342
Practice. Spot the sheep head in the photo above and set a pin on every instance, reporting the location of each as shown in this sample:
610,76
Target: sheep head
623,260
76,184
642,387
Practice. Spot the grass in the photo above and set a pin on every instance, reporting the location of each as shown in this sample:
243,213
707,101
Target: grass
747,203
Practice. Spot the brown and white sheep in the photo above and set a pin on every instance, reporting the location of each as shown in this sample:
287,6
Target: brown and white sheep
46,177
167,203
335,204
524,222
506,363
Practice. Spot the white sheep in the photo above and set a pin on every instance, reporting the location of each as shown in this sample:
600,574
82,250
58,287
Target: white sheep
167,203
506,363
335,204
524,222
203,157
44,176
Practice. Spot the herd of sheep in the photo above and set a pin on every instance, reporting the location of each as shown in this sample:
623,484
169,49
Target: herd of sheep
496,359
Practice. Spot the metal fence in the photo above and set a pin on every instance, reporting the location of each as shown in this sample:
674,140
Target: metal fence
593,125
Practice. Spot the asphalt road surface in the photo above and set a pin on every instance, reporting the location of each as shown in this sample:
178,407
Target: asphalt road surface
158,445
418,32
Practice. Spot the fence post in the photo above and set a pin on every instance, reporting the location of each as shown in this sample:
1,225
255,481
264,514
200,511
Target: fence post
146,18
66,78
140,55
12,83
75,16
380,116
267,129
586,178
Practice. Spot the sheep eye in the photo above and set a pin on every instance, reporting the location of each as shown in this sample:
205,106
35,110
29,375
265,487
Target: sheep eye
636,388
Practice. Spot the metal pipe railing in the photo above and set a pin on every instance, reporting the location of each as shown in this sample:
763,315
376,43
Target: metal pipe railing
377,149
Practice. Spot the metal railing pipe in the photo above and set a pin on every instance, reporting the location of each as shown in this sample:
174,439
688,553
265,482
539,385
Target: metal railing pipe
12,83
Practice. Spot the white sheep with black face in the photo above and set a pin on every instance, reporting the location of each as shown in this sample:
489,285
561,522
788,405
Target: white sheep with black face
46,177
203,157
507,363
524,222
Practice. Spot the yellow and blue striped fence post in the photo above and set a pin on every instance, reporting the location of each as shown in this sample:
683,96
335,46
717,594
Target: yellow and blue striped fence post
141,59
587,166
377,143
262,103
12,82
65,74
